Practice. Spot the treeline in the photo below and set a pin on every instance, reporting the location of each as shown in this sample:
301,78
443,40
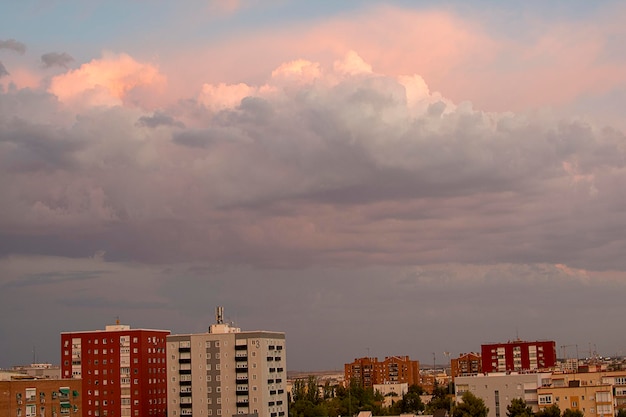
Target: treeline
311,400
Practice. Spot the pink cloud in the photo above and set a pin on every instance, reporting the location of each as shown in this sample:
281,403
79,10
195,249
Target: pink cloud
21,77
112,80
456,55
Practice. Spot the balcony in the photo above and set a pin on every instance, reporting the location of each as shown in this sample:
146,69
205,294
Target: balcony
184,371
241,358
242,380
241,347
185,393
241,370
184,360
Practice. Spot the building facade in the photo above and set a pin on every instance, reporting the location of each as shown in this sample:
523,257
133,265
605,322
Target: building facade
122,370
465,364
518,356
32,397
591,400
498,389
227,371
368,372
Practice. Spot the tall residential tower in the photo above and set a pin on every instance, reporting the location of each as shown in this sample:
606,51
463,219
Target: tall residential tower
227,371
122,370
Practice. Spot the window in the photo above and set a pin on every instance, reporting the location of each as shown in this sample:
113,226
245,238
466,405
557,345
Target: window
545,399
31,393
31,410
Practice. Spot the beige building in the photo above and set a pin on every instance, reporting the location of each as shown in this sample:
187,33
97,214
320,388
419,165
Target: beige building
497,390
616,380
392,392
592,400
226,372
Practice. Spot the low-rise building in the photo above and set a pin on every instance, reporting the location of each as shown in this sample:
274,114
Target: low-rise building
391,392
24,396
498,389
591,400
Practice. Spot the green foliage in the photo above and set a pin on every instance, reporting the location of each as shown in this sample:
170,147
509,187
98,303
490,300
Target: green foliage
518,408
411,403
470,406
572,413
552,411
621,413
309,401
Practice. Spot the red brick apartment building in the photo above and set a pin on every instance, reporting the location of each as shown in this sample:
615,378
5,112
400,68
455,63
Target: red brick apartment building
30,397
394,369
123,370
518,356
466,364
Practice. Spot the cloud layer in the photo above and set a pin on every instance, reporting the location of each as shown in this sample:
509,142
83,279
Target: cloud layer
350,183
317,165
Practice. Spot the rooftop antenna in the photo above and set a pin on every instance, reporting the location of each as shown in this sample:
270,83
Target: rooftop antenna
219,315
117,320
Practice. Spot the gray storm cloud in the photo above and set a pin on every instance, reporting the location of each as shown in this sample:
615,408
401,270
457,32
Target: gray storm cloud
13,45
56,59
3,70
346,171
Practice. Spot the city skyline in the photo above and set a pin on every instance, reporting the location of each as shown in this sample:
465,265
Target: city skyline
380,178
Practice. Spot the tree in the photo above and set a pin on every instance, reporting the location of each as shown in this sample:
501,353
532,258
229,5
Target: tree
621,413
470,406
552,411
411,403
572,413
440,400
518,408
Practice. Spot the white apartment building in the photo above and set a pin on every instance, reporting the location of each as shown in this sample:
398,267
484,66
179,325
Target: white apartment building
497,390
227,372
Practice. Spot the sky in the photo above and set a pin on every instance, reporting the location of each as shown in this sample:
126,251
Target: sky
372,178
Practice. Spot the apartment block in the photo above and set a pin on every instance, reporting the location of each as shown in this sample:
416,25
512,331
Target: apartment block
465,364
518,356
32,397
591,400
122,370
227,372
498,389
368,372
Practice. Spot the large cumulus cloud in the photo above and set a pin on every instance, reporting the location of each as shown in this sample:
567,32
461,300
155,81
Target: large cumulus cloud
335,164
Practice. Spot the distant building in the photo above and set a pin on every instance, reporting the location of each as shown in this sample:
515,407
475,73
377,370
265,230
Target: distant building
122,370
465,364
25,396
227,372
518,356
391,392
39,370
394,369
